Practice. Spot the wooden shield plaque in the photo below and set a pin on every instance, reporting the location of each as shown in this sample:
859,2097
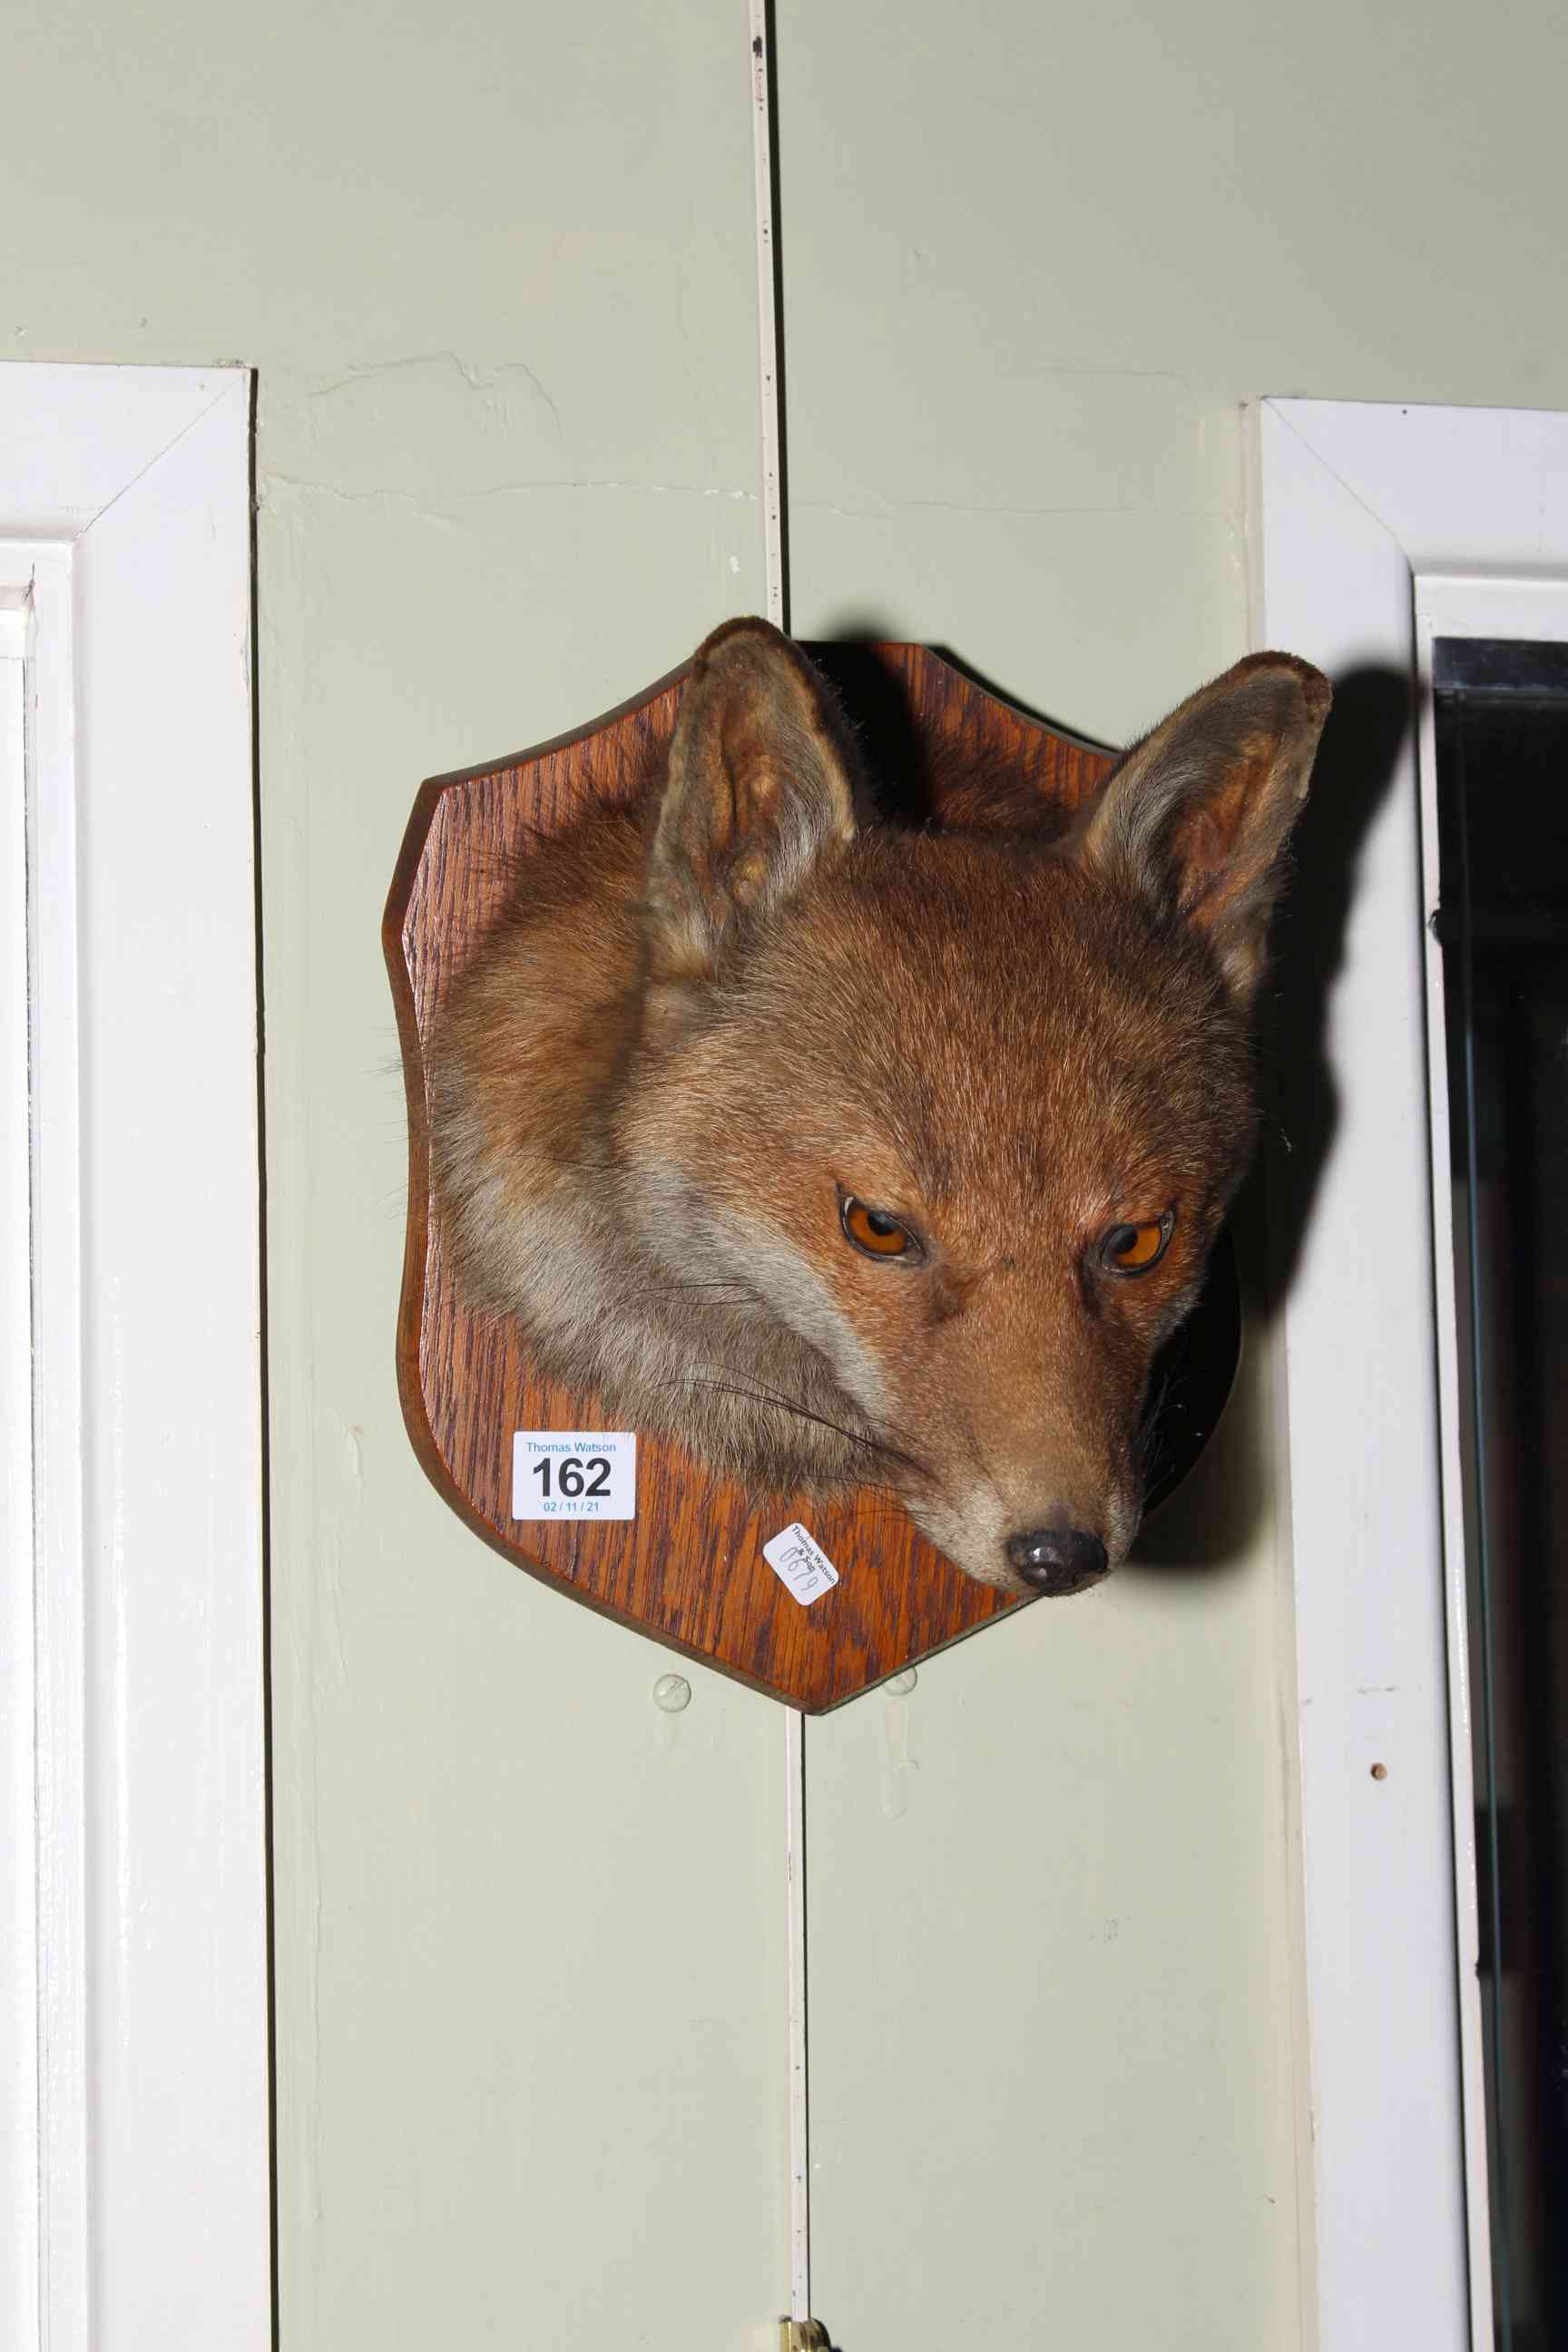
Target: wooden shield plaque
689,1568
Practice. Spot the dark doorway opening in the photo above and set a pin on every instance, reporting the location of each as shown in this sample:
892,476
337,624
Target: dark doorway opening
1502,712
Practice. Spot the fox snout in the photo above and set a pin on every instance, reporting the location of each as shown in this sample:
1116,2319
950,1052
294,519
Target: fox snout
1057,1560
1047,1549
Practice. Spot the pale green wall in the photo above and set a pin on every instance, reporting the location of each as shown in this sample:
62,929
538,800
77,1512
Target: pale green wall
493,267
1037,259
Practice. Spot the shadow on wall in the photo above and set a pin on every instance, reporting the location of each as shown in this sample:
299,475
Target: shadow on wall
1366,728
1210,1522
895,752
1208,1525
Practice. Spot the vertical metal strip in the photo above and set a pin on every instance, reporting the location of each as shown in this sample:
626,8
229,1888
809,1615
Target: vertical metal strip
768,304
799,2140
771,395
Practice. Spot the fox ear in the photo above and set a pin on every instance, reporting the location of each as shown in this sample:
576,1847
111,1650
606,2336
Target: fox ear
758,787
1198,814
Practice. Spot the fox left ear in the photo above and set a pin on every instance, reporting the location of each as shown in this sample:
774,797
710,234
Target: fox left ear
759,788
1198,814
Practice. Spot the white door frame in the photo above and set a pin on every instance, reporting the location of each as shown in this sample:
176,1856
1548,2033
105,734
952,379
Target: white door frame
1353,504
125,540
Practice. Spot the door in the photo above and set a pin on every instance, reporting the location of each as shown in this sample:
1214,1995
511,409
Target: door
1493,659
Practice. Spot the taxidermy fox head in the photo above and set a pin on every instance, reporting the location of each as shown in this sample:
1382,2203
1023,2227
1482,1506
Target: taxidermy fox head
848,1154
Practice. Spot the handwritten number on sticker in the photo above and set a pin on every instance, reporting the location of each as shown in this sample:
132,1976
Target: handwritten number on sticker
798,1561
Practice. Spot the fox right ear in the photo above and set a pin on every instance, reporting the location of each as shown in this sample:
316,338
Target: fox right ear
1198,815
758,789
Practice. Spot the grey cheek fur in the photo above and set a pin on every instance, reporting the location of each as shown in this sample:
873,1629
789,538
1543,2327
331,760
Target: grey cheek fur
602,1274
802,1299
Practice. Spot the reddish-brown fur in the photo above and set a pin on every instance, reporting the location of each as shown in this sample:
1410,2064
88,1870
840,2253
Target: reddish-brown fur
725,1009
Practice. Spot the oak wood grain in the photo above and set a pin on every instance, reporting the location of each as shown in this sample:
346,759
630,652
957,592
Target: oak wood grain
689,1568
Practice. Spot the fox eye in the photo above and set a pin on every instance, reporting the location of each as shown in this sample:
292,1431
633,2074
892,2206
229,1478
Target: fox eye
1133,1249
874,1233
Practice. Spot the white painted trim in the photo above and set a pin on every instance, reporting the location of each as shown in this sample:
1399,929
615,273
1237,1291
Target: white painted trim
18,1802
1351,501
59,1829
74,439
152,1959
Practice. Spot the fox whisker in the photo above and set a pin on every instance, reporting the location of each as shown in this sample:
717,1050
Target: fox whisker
724,1288
872,1444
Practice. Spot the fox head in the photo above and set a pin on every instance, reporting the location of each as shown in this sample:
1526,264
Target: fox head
958,1112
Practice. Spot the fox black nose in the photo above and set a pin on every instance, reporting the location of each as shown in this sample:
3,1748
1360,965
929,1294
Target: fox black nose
1057,1560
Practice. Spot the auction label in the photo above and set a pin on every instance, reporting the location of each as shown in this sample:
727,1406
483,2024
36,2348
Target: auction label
575,1474
798,1561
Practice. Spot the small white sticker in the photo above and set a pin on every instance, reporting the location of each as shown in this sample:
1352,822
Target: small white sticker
575,1474
798,1561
